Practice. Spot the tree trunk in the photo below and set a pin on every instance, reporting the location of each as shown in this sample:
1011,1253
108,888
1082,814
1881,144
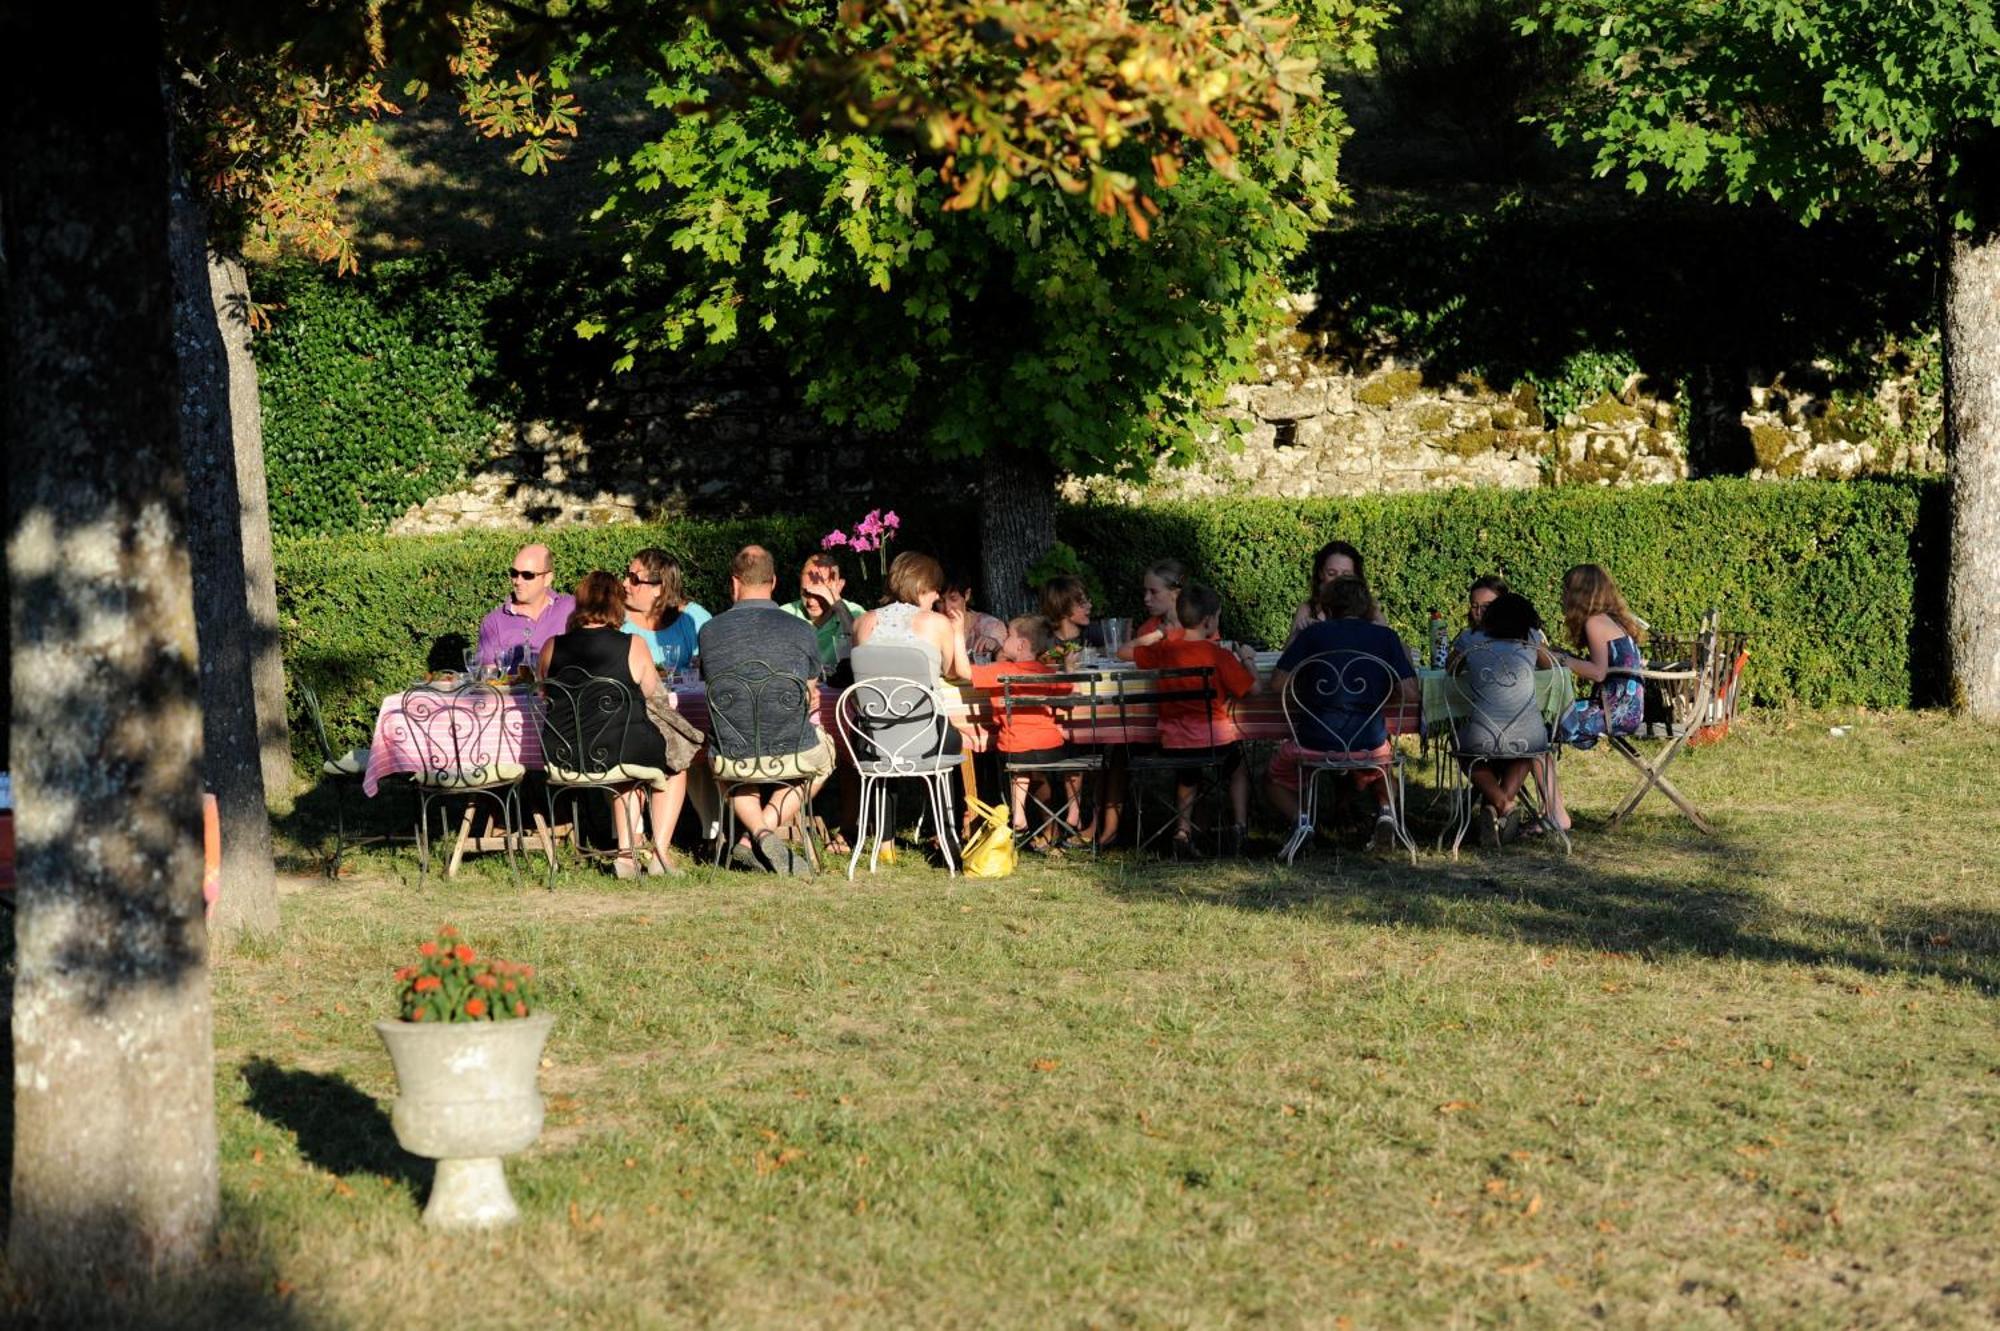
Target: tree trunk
1017,525
233,638
114,1159
1972,425
229,288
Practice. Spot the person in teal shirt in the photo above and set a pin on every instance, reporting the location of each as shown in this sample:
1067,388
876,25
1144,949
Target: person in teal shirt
657,609
821,604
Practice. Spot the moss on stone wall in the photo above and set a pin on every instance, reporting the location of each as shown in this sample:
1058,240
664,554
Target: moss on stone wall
1391,388
1431,417
1608,410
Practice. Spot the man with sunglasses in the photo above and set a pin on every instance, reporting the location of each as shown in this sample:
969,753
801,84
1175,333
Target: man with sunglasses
513,633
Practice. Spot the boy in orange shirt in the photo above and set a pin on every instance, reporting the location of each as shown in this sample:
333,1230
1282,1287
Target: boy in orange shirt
1200,722
1030,734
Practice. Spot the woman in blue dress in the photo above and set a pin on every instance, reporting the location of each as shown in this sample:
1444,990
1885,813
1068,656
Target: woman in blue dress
1600,623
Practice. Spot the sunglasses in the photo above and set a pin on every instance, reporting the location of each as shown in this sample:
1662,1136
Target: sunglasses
643,582
527,573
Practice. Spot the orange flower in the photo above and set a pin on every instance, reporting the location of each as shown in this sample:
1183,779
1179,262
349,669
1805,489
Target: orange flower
447,932
418,1015
520,1008
427,983
475,1007
508,987
527,972
484,981
406,972
428,949
463,953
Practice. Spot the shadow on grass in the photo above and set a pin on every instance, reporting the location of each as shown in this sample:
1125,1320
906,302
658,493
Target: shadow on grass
338,1128
1704,900
237,1287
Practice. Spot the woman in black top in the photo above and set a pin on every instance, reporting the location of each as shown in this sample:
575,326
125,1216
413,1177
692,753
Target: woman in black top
596,645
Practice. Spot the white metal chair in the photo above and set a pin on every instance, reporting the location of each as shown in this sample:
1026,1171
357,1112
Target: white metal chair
1710,674
1491,693
897,731
1332,702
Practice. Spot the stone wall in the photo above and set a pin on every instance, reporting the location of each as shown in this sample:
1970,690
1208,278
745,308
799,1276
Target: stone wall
1307,425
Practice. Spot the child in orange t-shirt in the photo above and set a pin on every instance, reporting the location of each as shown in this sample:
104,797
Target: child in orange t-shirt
1201,723
1029,734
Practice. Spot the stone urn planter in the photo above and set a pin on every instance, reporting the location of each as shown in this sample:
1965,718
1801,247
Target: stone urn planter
467,1097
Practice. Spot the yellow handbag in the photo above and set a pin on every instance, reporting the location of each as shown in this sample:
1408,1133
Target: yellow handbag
989,851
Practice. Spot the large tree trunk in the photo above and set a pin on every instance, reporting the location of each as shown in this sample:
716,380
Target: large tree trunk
229,289
114,1160
233,637
1017,524
1972,424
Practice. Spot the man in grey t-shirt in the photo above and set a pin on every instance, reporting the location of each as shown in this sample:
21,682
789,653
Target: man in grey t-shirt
762,668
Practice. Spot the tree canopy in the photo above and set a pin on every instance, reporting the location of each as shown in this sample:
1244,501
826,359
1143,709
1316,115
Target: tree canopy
1865,103
1067,253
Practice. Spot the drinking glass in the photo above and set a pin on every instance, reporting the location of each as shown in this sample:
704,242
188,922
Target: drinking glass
1117,632
670,663
472,663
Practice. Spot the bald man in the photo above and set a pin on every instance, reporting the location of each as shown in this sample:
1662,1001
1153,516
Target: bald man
514,632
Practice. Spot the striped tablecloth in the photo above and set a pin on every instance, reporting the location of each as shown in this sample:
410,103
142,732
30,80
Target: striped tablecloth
1259,715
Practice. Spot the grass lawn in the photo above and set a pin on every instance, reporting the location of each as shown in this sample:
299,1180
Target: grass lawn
1671,1081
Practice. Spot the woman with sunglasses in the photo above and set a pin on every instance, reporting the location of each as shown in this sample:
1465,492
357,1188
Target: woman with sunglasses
658,611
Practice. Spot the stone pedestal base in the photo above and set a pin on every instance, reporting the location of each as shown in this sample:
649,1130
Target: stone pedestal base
471,1194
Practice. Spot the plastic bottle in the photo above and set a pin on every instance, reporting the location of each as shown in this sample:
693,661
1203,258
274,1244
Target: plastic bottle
1440,643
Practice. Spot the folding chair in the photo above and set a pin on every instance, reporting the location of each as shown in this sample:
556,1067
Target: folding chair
1361,685
1070,696
1180,686
458,732
1489,696
1707,676
585,725
338,771
897,731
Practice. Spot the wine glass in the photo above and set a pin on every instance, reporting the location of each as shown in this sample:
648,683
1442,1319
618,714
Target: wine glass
670,663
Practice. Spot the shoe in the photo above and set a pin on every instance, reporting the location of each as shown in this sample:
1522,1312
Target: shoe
625,866
656,865
744,857
1384,837
778,857
1232,841
1486,828
1510,826
1185,849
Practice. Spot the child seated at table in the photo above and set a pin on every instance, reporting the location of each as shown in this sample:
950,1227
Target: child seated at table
1202,726
1598,621
1160,591
1496,677
1342,700
1028,734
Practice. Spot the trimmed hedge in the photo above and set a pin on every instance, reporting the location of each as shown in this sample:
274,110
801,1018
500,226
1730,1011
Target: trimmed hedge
1836,583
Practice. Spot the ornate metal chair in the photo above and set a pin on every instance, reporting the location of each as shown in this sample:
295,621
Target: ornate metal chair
760,723
1490,695
586,722
1355,688
1081,699
897,731
461,734
1712,678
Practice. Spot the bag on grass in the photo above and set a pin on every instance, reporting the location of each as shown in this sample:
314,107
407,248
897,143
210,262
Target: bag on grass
989,851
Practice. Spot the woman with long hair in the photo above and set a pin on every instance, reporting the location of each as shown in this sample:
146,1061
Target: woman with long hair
1608,635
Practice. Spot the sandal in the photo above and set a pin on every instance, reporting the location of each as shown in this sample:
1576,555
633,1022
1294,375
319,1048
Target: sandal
625,866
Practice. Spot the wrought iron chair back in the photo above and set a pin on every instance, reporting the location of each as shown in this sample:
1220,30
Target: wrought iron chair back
894,727
763,715
1175,687
457,732
1355,686
586,723
1494,710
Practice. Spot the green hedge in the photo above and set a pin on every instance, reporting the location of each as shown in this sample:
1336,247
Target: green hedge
1836,582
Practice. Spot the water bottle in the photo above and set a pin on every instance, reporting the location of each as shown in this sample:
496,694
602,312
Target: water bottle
1440,644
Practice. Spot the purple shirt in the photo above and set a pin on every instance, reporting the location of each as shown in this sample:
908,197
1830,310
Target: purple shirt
510,639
